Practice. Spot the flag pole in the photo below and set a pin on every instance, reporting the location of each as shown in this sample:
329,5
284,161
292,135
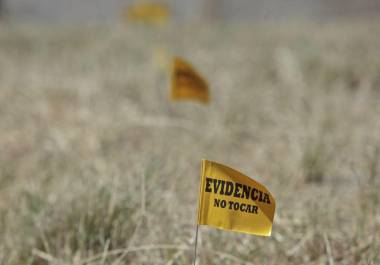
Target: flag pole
196,244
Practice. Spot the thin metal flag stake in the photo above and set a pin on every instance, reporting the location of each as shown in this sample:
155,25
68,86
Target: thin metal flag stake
143,194
196,244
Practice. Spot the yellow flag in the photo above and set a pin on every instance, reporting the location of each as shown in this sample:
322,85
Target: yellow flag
232,201
148,12
187,83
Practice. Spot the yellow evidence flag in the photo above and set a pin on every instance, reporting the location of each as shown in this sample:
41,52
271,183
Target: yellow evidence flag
154,13
187,83
232,201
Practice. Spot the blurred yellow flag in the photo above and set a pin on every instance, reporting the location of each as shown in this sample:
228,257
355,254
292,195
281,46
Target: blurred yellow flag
232,201
187,83
155,13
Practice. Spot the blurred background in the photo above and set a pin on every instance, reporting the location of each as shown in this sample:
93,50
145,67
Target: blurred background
107,11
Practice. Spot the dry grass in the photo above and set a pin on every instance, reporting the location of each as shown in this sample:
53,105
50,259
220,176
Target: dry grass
84,119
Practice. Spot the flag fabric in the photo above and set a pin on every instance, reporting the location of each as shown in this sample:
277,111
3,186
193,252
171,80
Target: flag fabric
232,201
148,12
187,83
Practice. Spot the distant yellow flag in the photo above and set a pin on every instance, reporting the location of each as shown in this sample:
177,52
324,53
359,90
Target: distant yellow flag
232,201
148,12
187,83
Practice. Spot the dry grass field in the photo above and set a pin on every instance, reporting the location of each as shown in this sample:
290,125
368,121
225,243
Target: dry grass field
98,167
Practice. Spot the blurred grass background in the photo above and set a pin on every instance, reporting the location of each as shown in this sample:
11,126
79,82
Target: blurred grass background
85,118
